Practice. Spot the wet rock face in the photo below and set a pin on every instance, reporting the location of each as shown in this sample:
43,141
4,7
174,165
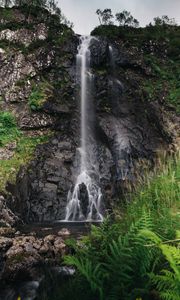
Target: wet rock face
41,190
83,198
123,124
99,55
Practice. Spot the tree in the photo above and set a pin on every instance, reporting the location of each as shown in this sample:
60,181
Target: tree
125,18
51,5
105,16
99,13
164,20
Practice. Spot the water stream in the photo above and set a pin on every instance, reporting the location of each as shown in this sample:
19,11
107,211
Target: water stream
84,201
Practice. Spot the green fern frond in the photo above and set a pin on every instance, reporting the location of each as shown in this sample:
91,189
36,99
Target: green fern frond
172,255
94,274
170,295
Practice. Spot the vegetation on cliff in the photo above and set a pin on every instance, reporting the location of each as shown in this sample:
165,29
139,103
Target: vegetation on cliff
23,154
17,144
159,44
35,6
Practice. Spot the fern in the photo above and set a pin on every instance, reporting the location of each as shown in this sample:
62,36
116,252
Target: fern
129,260
168,281
93,274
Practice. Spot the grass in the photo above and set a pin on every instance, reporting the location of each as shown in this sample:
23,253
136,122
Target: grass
159,195
8,128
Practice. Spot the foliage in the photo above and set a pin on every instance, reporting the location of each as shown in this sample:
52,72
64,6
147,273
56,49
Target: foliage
164,20
37,8
39,95
8,128
51,5
168,281
125,18
160,54
105,16
165,82
110,31
138,255
168,35
6,13
23,147
23,153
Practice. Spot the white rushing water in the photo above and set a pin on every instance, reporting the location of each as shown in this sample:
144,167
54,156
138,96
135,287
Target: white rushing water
84,202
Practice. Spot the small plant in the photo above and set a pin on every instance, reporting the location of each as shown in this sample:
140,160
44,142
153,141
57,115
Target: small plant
7,14
8,128
7,120
39,95
22,155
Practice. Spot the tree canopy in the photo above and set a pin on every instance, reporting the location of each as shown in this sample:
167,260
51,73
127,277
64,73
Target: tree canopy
51,5
164,20
124,18
105,16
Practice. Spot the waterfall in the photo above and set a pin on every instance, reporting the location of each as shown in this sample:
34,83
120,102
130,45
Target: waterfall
121,144
112,62
84,202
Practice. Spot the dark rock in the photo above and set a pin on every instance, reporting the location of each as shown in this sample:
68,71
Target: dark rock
84,199
99,51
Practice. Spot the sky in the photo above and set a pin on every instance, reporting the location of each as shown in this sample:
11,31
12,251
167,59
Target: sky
82,12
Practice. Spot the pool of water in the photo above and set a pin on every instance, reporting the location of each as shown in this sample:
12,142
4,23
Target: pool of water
42,229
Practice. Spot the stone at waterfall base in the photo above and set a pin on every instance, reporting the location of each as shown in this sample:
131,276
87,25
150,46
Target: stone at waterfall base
23,254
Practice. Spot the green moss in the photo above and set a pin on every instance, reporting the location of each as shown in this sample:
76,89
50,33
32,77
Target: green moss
39,95
23,154
174,97
6,13
164,85
63,37
9,46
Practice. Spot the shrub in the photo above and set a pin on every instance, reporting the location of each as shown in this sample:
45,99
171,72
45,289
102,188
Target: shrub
8,128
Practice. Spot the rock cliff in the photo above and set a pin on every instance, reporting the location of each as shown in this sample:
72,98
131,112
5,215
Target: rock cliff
38,85
135,104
